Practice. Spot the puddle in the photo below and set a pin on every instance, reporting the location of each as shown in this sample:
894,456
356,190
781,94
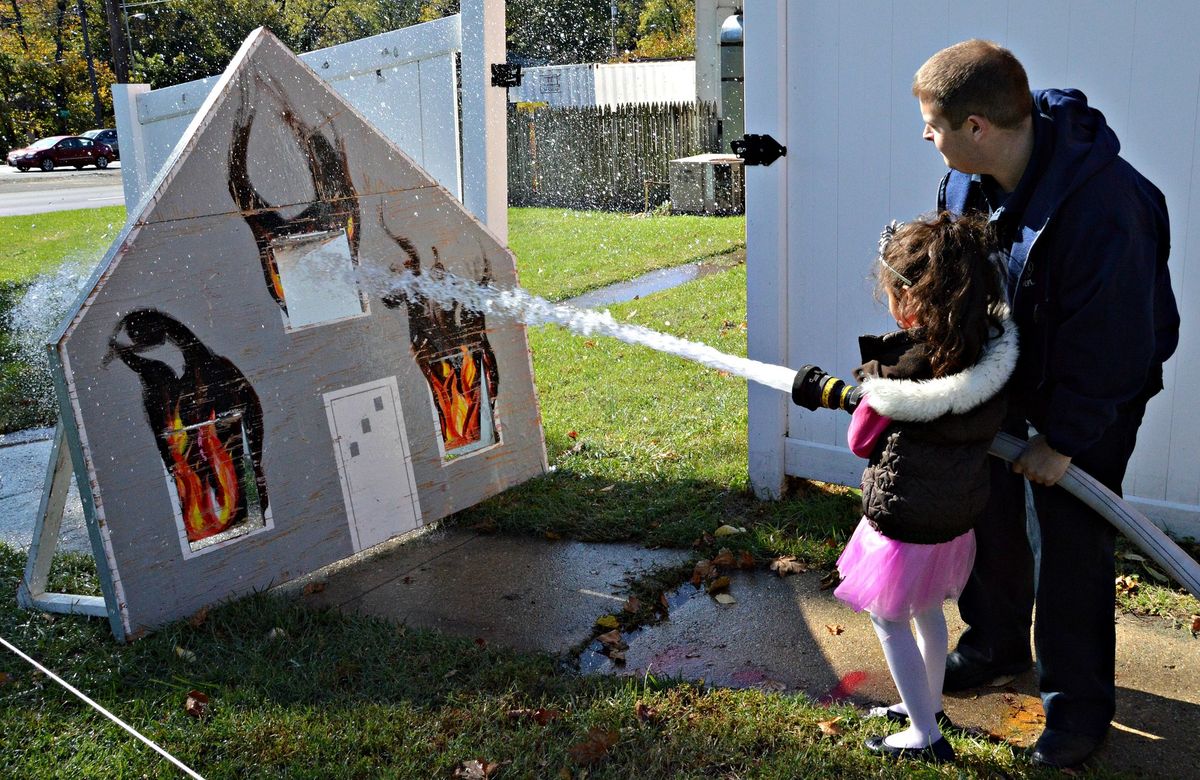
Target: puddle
592,660
662,279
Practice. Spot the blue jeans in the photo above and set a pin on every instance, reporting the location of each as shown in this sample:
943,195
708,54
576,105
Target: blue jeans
1062,561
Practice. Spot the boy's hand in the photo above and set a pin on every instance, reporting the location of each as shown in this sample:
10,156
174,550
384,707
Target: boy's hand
1041,463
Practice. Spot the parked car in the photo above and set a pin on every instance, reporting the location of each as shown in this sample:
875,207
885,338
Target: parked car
106,136
13,154
64,150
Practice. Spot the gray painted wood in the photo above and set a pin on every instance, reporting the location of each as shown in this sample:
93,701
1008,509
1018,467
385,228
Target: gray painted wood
191,255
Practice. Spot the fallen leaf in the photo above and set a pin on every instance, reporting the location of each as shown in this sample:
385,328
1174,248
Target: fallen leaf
589,343
196,705
595,748
702,571
831,580
728,530
5,678
185,654
633,605
787,564
313,587
572,435
1127,584
553,536
480,641
540,716
1132,557
277,633
724,557
644,712
616,655
607,488
831,727
1196,624
725,598
718,585
612,639
746,560
476,769
198,617
835,630
665,606
607,621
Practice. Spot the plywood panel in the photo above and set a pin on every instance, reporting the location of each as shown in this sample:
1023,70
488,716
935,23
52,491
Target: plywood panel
247,299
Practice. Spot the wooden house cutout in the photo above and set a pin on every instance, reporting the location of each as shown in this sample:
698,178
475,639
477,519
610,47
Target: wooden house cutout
243,398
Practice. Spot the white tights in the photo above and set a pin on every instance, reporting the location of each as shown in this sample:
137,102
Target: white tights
918,667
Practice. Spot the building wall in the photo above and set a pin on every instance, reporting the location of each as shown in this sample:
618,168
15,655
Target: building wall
841,104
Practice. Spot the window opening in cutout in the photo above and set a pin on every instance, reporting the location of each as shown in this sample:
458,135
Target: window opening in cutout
211,480
318,279
461,400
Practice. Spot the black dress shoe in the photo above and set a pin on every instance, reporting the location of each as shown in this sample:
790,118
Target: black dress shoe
1063,749
936,753
963,673
899,718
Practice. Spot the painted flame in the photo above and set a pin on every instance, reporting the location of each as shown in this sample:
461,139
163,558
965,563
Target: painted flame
206,478
457,394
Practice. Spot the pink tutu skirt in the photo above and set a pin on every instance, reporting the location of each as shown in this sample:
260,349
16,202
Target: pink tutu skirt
896,580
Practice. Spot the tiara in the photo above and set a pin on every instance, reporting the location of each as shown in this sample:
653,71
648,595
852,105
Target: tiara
885,238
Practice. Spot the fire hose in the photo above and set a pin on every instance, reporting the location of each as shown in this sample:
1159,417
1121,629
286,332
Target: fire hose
814,389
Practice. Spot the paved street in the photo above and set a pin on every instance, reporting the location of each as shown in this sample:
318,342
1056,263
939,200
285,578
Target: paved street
36,192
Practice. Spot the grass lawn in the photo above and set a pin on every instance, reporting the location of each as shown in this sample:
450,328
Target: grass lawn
37,243
561,253
647,447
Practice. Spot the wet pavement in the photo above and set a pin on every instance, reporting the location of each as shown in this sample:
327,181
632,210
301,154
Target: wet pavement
23,460
786,635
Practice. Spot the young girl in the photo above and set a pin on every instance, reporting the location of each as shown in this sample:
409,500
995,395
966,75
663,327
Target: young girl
932,400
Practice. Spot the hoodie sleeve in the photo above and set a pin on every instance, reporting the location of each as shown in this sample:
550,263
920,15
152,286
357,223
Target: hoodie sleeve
1104,343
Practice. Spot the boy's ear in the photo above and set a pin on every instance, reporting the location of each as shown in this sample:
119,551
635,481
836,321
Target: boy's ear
978,125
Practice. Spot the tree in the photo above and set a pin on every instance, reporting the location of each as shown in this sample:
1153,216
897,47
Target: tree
44,86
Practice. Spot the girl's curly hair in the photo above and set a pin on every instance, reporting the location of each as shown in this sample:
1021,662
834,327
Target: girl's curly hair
946,270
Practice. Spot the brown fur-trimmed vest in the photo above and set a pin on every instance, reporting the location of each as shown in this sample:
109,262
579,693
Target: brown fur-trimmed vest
927,480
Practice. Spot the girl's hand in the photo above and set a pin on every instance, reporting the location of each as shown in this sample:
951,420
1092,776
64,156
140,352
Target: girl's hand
1041,463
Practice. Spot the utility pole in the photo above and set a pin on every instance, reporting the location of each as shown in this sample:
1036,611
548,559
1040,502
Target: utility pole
87,52
117,45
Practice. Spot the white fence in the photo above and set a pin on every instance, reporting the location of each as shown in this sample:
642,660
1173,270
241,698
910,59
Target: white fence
403,81
832,83
593,84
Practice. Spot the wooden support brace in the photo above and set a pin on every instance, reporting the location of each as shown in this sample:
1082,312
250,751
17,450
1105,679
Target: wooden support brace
31,593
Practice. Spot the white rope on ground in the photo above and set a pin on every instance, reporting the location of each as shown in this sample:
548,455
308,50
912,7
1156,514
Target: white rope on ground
1124,517
100,709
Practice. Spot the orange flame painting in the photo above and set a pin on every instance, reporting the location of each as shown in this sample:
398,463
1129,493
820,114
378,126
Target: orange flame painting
206,478
457,393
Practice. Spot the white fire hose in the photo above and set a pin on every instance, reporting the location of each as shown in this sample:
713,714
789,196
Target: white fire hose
1179,565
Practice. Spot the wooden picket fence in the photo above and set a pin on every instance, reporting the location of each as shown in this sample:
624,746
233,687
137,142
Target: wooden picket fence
602,157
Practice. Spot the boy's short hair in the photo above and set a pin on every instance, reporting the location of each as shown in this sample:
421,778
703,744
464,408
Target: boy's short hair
975,77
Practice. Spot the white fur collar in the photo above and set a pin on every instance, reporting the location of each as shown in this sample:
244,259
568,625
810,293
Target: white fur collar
923,400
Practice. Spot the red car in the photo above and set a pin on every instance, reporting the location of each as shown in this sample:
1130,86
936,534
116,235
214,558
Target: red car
63,150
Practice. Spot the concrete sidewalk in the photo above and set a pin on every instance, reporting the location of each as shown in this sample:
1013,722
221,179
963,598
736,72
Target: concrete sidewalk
782,634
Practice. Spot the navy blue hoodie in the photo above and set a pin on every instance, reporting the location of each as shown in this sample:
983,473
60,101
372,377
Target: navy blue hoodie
1088,280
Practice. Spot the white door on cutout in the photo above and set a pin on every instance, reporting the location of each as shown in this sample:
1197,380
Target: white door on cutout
373,461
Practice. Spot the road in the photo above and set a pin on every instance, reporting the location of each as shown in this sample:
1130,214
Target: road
36,192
